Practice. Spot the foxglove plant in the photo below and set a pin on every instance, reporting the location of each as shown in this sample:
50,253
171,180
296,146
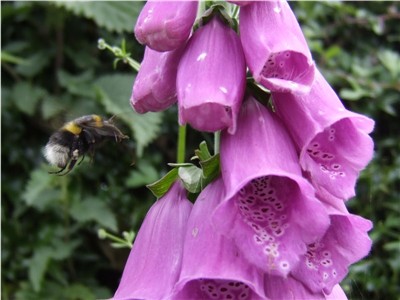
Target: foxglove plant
272,224
165,25
211,78
270,210
154,263
333,142
154,88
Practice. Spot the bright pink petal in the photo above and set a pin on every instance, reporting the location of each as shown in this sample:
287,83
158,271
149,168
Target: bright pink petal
281,288
270,211
212,267
154,88
275,48
211,78
326,262
165,25
333,141
154,263
336,294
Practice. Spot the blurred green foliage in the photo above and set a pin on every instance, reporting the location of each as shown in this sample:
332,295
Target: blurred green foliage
52,71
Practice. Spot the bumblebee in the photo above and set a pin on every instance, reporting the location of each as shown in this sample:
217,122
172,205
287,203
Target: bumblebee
77,138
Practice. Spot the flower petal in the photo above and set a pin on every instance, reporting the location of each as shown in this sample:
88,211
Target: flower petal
289,288
275,48
270,211
154,88
211,78
326,262
165,25
212,268
154,263
333,141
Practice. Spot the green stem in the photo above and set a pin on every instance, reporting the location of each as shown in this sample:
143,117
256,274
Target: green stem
217,139
181,145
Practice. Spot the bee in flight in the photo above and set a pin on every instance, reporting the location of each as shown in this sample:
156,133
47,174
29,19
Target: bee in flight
77,138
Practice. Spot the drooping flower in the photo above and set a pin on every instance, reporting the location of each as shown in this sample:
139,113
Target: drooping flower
211,78
333,142
154,88
212,267
326,262
289,288
270,210
154,263
275,48
165,25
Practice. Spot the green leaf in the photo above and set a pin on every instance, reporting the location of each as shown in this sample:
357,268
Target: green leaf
51,107
391,61
118,16
191,178
93,209
357,94
115,91
9,58
35,63
161,186
38,265
142,175
79,85
39,191
26,96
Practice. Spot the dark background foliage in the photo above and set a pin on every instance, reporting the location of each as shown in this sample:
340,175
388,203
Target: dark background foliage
52,71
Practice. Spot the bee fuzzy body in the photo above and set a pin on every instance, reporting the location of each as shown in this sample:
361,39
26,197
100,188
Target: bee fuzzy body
77,138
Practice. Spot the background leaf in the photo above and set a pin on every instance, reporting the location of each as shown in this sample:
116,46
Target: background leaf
112,15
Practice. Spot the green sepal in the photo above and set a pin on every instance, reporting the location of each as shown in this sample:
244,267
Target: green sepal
203,153
192,178
211,168
161,186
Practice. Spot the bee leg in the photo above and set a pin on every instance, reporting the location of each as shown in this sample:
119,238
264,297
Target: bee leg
57,172
81,159
70,167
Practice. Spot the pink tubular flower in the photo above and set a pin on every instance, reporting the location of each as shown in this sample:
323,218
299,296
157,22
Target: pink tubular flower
211,78
154,263
212,268
279,288
333,142
275,48
165,25
270,210
326,262
154,88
